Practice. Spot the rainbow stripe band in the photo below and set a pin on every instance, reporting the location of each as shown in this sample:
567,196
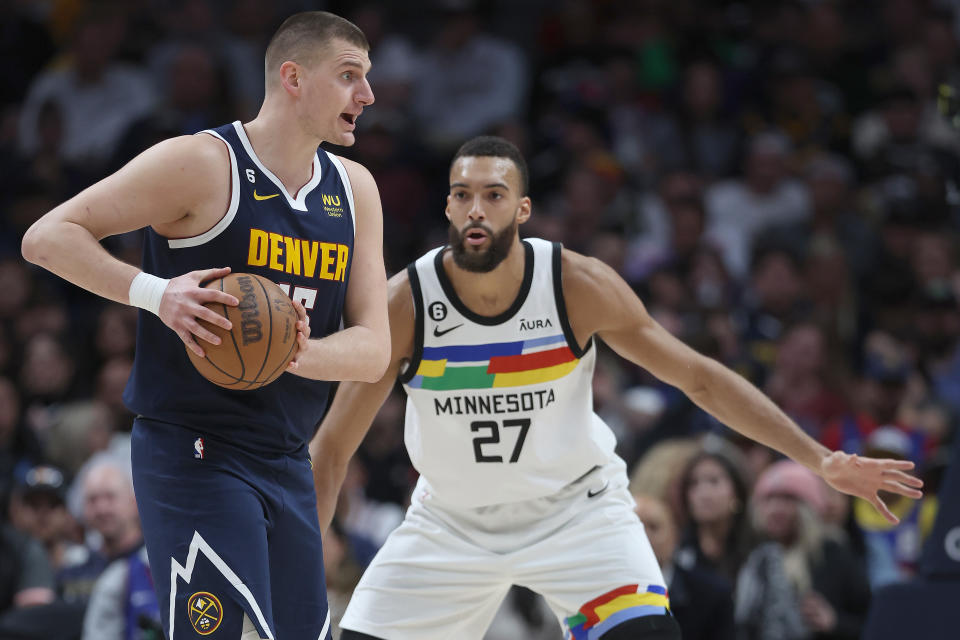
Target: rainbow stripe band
495,364
614,607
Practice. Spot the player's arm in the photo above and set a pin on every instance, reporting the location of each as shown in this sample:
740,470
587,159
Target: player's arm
171,187
361,350
356,404
600,302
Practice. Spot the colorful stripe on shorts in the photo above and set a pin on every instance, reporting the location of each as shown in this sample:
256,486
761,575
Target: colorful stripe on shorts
602,614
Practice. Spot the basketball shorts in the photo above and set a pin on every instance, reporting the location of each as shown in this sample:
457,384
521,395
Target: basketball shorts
444,571
232,537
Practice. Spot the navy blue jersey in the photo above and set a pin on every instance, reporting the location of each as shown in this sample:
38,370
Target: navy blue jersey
304,244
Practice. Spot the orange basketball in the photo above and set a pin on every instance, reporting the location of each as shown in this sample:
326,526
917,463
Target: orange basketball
263,339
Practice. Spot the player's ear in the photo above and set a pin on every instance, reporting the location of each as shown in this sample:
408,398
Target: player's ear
290,77
524,208
446,210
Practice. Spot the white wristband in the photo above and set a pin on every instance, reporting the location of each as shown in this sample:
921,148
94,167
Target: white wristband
146,291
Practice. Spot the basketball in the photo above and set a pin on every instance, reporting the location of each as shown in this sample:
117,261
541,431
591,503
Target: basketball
263,339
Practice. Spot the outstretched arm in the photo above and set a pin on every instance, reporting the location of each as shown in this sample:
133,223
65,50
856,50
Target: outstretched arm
180,187
356,404
600,302
361,350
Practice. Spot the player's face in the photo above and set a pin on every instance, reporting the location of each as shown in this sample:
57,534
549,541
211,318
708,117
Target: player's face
336,91
484,208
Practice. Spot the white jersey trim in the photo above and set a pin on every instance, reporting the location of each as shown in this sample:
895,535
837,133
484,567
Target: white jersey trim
347,186
199,545
300,202
224,222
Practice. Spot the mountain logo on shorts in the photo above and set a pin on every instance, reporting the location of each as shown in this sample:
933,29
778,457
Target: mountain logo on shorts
205,612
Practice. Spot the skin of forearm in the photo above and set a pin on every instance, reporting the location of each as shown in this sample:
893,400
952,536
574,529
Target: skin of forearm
71,252
355,353
741,406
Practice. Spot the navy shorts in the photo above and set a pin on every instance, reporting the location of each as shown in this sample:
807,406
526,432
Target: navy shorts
229,534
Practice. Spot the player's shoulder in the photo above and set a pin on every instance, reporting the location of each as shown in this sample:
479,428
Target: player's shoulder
581,272
360,176
399,291
195,156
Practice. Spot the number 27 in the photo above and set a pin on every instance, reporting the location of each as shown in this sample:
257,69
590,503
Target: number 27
493,437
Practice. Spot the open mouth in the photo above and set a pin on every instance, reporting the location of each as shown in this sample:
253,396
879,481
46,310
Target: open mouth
476,236
349,118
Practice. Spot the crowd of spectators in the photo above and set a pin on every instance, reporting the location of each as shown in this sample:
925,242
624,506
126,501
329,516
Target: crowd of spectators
779,180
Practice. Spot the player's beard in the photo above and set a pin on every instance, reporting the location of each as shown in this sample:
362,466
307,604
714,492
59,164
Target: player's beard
486,260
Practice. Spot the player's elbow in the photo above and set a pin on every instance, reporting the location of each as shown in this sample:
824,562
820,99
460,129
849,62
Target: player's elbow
697,385
377,365
33,243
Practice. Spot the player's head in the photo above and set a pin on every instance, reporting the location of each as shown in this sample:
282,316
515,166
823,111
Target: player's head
487,201
321,61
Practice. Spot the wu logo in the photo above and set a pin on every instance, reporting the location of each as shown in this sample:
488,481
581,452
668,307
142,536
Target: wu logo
331,201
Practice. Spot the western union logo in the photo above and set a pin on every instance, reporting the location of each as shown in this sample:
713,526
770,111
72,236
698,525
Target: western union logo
325,260
331,204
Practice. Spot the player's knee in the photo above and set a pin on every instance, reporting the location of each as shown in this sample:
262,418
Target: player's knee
645,628
347,634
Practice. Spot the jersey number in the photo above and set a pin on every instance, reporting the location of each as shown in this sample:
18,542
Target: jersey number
493,437
304,295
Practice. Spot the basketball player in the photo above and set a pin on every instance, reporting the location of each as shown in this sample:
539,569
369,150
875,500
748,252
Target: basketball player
493,339
222,477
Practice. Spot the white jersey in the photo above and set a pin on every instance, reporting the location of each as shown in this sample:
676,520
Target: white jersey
500,409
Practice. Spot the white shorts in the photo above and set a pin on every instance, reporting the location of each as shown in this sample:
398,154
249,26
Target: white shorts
443,572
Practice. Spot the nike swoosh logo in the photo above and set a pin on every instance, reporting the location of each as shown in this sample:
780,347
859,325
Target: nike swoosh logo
259,197
594,494
437,333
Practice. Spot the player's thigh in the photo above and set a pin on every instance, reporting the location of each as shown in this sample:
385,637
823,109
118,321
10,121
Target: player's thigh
598,571
206,535
427,583
298,586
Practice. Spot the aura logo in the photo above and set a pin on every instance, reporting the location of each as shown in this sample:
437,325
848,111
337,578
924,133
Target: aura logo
530,325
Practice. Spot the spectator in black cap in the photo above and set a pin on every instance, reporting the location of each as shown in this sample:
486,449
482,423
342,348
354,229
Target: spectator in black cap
19,447
38,508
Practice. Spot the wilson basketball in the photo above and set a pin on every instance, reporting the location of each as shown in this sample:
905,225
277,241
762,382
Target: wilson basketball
263,339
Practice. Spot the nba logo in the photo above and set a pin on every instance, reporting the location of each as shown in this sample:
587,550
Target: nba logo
198,448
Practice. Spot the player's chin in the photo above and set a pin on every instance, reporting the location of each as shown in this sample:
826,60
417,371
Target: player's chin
345,139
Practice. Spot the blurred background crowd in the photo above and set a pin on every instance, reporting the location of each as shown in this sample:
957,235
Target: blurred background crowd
779,180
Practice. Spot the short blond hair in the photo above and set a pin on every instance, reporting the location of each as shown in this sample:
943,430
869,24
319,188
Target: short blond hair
303,36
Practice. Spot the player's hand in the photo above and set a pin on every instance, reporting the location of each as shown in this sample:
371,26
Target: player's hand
182,305
303,336
865,477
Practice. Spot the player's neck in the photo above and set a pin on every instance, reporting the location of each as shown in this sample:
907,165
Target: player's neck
492,292
282,148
